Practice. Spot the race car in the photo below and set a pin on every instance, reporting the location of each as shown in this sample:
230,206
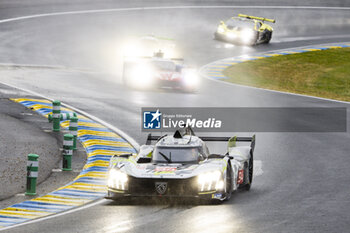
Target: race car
180,165
159,72
245,29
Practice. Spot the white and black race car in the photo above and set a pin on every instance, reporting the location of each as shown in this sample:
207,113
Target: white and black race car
180,165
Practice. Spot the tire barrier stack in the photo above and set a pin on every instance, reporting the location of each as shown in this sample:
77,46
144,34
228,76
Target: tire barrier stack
100,144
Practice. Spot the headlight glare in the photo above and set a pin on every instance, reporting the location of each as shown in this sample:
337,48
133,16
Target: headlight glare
219,185
220,29
210,181
231,35
142,75
191,78
117,179
247,35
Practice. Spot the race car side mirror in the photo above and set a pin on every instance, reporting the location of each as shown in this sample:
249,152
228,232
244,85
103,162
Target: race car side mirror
144,160
124,155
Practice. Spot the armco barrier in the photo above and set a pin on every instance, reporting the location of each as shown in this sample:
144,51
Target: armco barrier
100,144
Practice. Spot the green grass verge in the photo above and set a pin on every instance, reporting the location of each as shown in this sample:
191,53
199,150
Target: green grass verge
323,73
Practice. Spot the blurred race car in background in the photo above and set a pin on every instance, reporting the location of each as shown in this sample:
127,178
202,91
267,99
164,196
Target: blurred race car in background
150,64
245,29
180,165
159,72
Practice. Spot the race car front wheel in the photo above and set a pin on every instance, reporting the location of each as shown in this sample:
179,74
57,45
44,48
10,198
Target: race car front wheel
228,182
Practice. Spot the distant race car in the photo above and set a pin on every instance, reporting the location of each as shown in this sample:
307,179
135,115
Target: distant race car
159,72
245,29
180,165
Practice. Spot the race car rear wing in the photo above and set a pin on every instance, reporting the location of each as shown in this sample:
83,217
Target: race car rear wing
226,139
258,18
150,138
150,57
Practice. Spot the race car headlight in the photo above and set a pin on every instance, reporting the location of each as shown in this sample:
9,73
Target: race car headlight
231,35
142,76
191,78
247,35
210,181
220,29
117,179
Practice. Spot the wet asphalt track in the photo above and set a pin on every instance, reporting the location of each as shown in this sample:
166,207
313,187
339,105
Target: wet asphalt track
305,182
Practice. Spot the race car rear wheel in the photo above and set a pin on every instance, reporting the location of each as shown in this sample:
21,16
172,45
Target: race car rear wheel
268,37
249,173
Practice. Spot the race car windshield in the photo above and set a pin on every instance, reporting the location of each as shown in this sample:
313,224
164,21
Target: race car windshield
239,23
164,65
175,155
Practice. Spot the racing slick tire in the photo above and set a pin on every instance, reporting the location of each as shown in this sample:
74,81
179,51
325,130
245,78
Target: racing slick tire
228,185
268,37
249,173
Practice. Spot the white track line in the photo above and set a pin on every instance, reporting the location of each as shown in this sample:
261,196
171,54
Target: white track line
168,8
292,39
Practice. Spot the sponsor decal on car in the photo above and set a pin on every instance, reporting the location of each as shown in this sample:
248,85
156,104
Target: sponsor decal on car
170,76
240,176
165,169
216,196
